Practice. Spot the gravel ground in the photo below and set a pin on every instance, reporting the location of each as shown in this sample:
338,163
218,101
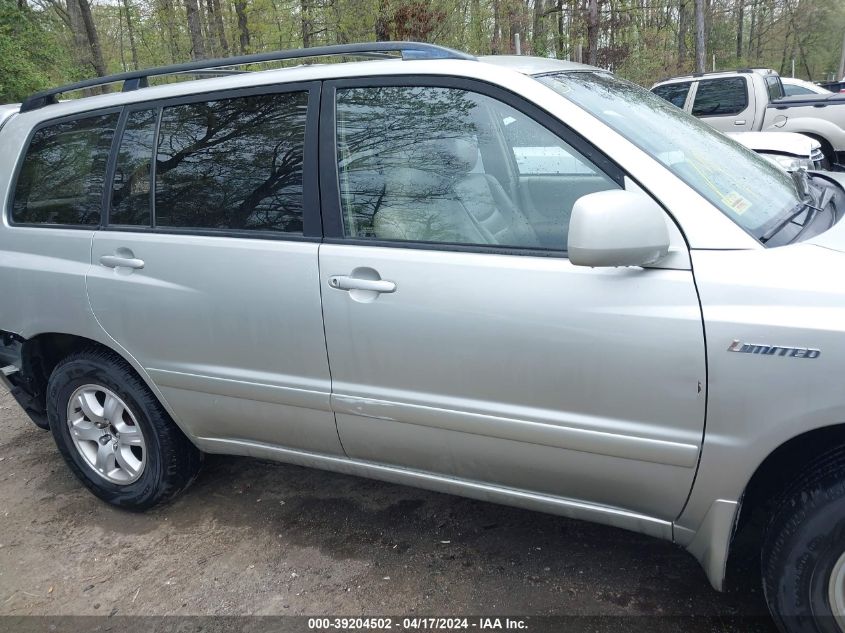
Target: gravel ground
260,538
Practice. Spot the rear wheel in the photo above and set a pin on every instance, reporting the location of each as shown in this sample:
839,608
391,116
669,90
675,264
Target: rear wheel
114,434
804,551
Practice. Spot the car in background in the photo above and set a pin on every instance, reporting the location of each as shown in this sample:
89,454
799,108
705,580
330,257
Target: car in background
793,87
753,100
789,150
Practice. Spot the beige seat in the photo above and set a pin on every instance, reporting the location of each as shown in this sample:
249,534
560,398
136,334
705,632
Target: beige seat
440,200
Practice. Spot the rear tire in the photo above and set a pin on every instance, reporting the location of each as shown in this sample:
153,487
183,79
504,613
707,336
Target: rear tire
804,551
114,434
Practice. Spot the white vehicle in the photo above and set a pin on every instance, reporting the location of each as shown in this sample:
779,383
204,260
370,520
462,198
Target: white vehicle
517,279
793,87
788,150
754,100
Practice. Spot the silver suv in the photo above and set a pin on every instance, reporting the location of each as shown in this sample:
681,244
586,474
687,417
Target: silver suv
516,279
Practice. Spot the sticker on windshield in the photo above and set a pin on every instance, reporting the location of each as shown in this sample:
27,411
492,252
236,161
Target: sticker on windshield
737,203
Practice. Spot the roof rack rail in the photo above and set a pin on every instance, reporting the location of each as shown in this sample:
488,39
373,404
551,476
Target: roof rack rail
140,78
709,72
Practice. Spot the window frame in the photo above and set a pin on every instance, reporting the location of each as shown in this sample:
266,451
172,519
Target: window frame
13,185
311,222
775,80
700,82
330,194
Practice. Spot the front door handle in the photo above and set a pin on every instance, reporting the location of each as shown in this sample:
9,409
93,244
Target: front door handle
740,122
115,261
344,282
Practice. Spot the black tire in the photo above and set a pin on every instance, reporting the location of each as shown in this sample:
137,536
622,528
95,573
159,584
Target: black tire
172,461
803,542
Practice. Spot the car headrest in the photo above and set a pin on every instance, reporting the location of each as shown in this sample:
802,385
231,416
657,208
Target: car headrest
456,154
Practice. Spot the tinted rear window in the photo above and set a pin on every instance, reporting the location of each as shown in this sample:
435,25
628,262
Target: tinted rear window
232,164
61,179
130,199
676,94
720,97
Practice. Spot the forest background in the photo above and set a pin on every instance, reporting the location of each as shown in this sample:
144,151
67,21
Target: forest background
51,42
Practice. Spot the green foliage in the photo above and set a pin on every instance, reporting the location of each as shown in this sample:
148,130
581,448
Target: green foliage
31,57
638,40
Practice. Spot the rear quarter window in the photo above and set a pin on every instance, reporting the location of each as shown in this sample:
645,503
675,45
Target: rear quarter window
676,94
63,171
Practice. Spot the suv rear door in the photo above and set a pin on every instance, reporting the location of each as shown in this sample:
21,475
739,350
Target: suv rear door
461,339
206,270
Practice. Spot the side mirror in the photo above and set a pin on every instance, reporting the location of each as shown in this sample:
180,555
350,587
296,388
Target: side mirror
617,228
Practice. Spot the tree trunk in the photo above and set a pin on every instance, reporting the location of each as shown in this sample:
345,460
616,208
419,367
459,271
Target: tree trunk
538,31
683,27
740,23
77,28
168,20
841,75
753,27
305,20
496,44
243,28
382,26
699,36
93,38
477,26
195,29
218,26
514,25
131,30
561,29
593,32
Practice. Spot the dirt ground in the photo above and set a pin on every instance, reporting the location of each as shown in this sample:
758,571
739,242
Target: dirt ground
259,538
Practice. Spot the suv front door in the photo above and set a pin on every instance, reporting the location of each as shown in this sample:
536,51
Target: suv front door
462,341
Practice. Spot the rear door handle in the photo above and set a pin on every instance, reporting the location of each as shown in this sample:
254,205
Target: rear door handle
741,122
344,282
115,261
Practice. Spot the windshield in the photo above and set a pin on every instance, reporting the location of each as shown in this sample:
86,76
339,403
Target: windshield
744,186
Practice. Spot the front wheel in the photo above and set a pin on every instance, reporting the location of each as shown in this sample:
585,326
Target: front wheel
804,551
114,434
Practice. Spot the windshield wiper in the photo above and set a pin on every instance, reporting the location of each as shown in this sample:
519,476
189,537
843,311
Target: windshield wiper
812,211
815,200
797,210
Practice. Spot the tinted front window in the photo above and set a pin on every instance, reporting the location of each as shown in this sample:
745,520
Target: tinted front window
676,94
720,97
232,164
432,164
61,179
130,202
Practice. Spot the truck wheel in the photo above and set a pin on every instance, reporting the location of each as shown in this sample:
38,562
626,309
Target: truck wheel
114,434
804,551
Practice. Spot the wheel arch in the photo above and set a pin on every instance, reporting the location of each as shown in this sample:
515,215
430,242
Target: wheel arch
761,494
40,353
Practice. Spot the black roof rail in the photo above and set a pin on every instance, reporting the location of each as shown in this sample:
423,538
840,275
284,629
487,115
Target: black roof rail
140,78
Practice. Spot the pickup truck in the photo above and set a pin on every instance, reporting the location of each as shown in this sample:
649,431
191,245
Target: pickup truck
753,100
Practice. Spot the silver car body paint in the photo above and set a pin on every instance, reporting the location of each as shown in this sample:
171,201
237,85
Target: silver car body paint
521,380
